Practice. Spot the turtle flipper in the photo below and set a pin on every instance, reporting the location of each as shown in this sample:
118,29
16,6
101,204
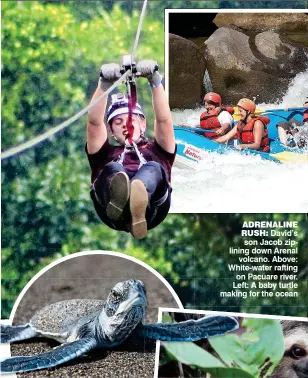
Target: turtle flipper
9,334
189,330
57,356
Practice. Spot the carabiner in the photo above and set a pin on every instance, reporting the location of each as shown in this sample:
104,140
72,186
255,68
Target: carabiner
128,65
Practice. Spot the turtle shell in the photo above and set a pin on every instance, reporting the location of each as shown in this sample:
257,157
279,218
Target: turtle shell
59,316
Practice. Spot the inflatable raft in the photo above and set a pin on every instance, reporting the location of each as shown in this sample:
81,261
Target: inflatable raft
193,147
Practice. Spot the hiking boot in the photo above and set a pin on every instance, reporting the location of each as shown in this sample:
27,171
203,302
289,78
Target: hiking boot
138,205
119,195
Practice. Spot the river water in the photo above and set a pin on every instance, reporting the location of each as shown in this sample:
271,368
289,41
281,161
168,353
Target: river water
235,183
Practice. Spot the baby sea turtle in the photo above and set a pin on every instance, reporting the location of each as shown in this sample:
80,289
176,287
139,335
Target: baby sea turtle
84,324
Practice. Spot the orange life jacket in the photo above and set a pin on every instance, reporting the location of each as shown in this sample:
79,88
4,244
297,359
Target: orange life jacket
211,121
245,133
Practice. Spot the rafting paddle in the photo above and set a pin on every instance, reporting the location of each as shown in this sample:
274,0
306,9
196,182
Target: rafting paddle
300,108
194,129
261,111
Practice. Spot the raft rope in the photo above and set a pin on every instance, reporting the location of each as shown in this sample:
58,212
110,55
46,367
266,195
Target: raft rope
40,138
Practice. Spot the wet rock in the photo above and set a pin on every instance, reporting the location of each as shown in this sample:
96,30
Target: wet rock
186,72
271,46
229,49
255,67
264,21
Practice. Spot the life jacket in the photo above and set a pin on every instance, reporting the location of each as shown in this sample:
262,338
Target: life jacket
245,133
211,121
305,115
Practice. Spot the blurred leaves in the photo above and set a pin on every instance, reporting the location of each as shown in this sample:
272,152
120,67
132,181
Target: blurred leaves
301,4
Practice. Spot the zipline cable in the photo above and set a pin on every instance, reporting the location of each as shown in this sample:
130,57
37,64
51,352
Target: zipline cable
40,138
139,29
131,80
33,142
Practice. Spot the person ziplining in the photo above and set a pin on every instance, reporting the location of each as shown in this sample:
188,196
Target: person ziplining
131,181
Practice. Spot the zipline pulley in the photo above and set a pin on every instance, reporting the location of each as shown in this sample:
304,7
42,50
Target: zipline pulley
128,65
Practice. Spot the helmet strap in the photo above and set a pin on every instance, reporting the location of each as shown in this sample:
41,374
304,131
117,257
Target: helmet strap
246,116
115,138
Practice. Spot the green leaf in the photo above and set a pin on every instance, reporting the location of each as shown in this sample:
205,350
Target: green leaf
191,354
260,346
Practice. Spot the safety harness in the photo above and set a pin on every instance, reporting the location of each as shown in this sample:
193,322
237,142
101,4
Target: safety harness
131,90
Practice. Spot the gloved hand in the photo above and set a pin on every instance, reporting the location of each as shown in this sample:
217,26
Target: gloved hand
109,73
149,69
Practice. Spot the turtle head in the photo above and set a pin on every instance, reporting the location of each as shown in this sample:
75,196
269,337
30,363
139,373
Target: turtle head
123,310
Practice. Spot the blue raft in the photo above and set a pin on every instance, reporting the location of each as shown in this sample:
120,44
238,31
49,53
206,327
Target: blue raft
192,146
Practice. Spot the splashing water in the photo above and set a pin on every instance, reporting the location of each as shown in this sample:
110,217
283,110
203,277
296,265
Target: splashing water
235,183
298,90
296,93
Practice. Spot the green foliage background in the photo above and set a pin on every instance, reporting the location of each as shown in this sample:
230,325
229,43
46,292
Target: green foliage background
253,4
51,54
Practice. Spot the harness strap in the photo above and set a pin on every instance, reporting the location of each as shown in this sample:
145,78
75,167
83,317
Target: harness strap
129,147
161,200
139,154
122,156
207,117
132,100
96,196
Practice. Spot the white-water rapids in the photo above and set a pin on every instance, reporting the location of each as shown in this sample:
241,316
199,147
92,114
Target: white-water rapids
235,183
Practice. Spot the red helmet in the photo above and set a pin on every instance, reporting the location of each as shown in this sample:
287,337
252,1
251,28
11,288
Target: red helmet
247,105
213,97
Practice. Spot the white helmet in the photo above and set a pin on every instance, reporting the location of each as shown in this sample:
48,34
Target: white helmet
119,105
